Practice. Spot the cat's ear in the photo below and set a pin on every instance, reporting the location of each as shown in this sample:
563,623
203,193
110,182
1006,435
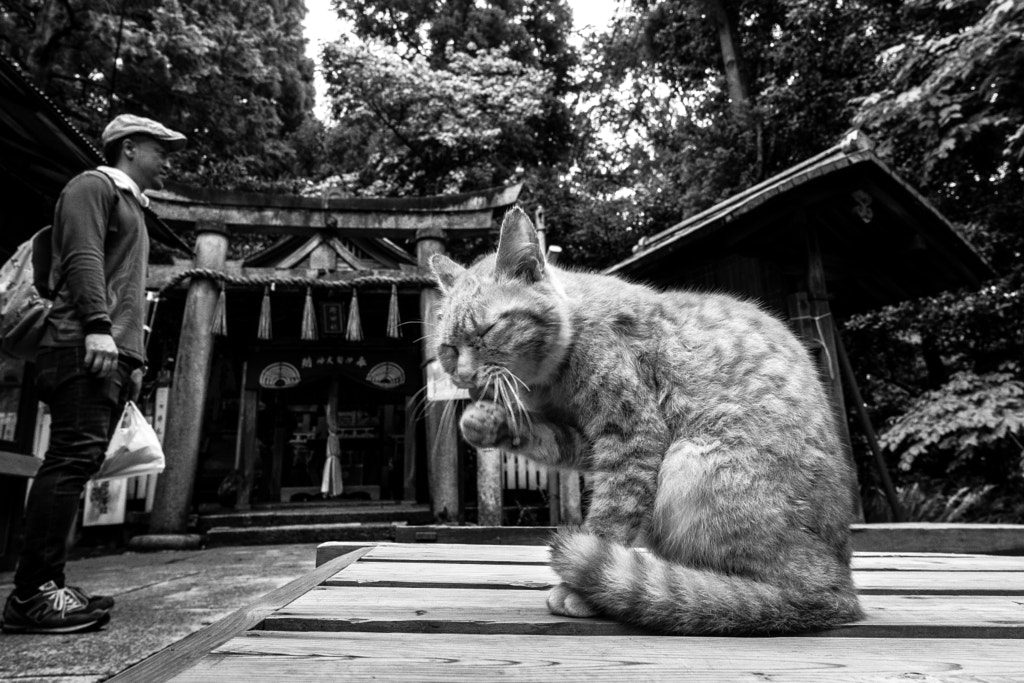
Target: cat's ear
445,270
519,252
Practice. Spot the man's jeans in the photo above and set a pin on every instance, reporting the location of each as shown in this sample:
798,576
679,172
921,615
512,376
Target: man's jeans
84,410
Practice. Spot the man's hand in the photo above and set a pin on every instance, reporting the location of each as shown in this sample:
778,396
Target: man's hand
100,354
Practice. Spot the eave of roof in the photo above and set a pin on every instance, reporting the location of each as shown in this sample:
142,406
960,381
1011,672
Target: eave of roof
853,153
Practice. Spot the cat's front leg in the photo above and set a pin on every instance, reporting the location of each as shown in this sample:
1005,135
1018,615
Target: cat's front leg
484,424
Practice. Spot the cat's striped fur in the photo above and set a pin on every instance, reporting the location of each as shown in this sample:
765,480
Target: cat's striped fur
703,424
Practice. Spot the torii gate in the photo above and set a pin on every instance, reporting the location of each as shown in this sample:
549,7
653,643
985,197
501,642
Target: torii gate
217,215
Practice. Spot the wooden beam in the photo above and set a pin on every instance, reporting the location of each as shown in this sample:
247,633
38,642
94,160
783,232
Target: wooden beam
18,465
310,220
162,275
176,658
470,213
442,441
869,432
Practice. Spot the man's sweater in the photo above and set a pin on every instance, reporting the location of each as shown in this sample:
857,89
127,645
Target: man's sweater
103,257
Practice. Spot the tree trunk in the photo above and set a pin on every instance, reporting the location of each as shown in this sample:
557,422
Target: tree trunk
735,76
732,58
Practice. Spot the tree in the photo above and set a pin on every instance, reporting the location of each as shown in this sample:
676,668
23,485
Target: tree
952,116
943,373
450,48
707,98
432,130
229,73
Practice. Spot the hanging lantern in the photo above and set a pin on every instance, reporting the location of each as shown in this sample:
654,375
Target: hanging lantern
354,329
393,320
308,317
264,331
220,318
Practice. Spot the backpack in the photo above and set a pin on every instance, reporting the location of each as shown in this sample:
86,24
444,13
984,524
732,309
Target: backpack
23,308
25,294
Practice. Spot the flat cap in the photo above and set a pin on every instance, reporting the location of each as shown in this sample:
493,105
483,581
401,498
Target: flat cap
129,124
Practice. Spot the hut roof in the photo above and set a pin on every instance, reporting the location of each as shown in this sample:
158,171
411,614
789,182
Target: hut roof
881,241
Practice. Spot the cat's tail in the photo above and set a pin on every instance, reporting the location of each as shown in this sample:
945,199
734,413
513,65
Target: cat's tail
649,591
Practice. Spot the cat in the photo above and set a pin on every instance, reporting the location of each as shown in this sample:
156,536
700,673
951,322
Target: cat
701,421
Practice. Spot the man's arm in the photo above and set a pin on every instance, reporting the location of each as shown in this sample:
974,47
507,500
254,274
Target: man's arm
83,222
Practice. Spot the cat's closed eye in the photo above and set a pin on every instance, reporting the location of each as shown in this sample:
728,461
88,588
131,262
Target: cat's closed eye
485,329
446,352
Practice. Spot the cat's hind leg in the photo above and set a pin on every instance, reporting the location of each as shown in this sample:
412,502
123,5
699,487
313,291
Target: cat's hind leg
566,602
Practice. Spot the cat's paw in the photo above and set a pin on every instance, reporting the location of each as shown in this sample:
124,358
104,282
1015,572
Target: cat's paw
566,602
483,424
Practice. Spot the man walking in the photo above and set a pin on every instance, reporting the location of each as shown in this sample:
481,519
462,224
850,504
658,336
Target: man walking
91,360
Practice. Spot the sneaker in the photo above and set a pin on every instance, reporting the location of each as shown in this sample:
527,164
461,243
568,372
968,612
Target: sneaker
95,601
52,610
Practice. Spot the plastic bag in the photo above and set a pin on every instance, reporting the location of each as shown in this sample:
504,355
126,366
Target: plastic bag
134,448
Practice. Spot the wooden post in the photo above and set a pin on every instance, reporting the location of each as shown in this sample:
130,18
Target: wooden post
869,432
488,487
188,389
247,429
570,497
813,317
409,452
442,443
554,497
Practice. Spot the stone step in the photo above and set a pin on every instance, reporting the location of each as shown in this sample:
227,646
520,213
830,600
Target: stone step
317,515
298,533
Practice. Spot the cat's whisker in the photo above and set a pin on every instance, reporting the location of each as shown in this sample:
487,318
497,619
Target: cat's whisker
419,402
514,376
519,407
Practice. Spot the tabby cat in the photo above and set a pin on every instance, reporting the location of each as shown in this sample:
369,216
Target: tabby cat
703,426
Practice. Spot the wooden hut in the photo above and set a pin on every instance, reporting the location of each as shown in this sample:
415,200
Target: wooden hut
836,235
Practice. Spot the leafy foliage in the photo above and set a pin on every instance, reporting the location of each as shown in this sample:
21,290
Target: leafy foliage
230,74
432,130
442,97
944,371
967,418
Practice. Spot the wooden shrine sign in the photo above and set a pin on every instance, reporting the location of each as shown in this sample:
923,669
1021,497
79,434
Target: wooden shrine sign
390,371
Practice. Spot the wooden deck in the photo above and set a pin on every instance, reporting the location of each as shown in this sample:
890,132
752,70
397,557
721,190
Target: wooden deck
448,612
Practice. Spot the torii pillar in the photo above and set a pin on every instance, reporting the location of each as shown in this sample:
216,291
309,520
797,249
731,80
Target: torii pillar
442,444
188,389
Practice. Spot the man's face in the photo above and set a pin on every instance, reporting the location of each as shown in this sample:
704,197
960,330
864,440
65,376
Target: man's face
148,161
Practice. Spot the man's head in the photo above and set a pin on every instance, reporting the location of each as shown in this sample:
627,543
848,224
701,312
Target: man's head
140,147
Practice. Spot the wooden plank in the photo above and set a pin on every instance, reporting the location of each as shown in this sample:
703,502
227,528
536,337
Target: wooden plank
174,659
424,657
998,539
494,535
531,576
447,575
469,553
940,582
446,553
480,610
937,561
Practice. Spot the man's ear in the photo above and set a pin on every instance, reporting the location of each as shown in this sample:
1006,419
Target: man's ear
445,270
519,254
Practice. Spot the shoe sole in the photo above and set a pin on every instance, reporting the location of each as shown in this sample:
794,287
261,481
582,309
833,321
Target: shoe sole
77,628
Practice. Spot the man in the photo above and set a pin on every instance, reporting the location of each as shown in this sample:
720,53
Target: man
91,360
